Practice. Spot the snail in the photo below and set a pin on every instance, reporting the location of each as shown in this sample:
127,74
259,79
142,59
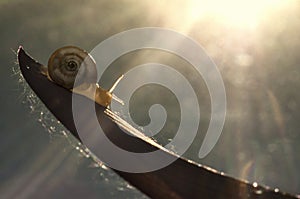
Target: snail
69,63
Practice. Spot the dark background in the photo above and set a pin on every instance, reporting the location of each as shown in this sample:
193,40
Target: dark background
259,65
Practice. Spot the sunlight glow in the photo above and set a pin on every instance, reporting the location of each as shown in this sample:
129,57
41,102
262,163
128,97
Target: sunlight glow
242,13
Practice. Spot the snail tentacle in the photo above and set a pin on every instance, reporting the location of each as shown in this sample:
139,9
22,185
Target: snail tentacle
71,63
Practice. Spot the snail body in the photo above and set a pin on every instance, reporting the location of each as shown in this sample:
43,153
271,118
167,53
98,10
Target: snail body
71,63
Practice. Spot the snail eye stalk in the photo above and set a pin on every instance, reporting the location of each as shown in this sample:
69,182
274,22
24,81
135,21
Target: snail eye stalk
71,63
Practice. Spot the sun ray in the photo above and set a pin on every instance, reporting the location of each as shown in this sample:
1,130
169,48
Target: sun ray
240,13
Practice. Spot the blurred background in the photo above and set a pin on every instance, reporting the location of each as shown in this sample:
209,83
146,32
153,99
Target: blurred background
255,45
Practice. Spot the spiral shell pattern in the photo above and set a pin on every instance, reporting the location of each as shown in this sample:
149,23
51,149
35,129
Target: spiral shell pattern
69,63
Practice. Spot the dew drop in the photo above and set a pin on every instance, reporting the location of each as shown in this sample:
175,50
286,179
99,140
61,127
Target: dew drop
64,133
104,167
129,186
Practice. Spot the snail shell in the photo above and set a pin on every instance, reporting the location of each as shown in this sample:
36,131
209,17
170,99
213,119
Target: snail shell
69,63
